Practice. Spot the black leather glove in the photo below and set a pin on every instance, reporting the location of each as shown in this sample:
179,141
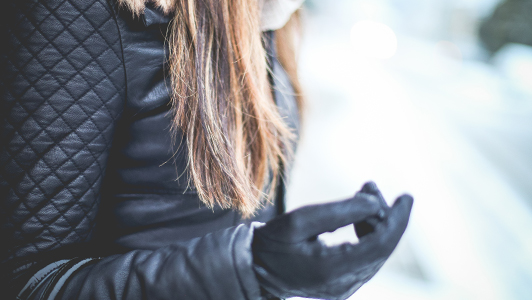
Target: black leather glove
290,261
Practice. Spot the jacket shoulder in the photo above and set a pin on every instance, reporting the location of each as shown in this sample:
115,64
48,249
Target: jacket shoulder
62,89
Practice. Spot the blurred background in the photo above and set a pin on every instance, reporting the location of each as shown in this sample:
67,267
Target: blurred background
433,98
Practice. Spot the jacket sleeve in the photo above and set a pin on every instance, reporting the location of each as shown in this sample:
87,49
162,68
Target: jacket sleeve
63,87
215,266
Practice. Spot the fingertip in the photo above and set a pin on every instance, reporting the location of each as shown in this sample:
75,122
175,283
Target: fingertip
405,201
369,187
367,204
407,198
398,218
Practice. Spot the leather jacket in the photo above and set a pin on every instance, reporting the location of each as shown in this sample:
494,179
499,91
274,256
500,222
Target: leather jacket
95,202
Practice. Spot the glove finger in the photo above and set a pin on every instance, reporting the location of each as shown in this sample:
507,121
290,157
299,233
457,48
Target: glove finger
389,232
400,213
310,221
374,248
367,226
371,188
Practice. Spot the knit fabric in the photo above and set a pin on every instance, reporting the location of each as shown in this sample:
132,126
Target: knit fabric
275,13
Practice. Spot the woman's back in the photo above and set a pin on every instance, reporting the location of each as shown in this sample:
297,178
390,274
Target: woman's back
148,200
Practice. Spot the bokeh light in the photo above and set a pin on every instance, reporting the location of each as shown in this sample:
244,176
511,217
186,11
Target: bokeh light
404,93
372,39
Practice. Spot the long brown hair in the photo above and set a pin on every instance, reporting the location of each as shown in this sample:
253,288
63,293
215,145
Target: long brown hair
222,101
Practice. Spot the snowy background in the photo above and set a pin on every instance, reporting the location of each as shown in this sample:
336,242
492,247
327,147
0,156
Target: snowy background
402,93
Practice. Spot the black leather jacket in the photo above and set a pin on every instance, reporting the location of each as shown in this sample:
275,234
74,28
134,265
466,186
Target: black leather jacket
94,205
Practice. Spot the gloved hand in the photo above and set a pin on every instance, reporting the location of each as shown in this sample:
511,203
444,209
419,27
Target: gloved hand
290,261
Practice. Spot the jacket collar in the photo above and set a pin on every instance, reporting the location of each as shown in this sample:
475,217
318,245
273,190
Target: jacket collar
154,16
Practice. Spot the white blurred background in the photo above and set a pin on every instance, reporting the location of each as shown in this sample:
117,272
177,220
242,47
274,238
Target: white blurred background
403,92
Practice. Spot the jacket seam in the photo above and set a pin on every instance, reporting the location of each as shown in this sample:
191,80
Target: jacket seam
235,266
114,14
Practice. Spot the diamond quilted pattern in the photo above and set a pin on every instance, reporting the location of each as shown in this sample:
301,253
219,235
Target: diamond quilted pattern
63,88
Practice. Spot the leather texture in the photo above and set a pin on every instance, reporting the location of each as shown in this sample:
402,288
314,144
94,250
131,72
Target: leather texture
94,197
290,259
63,88
215,266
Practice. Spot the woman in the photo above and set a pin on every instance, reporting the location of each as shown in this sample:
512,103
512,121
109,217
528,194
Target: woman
171,101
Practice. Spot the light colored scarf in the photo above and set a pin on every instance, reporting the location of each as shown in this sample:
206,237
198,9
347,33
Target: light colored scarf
275,13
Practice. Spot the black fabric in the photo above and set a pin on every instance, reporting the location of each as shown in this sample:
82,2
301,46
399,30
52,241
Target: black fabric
62,89
87,165
215,266
291,261
147,201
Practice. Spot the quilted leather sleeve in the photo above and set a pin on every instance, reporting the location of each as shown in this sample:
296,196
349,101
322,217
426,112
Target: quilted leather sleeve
62,89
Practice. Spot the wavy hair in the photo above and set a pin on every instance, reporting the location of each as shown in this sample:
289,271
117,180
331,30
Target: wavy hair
222,101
